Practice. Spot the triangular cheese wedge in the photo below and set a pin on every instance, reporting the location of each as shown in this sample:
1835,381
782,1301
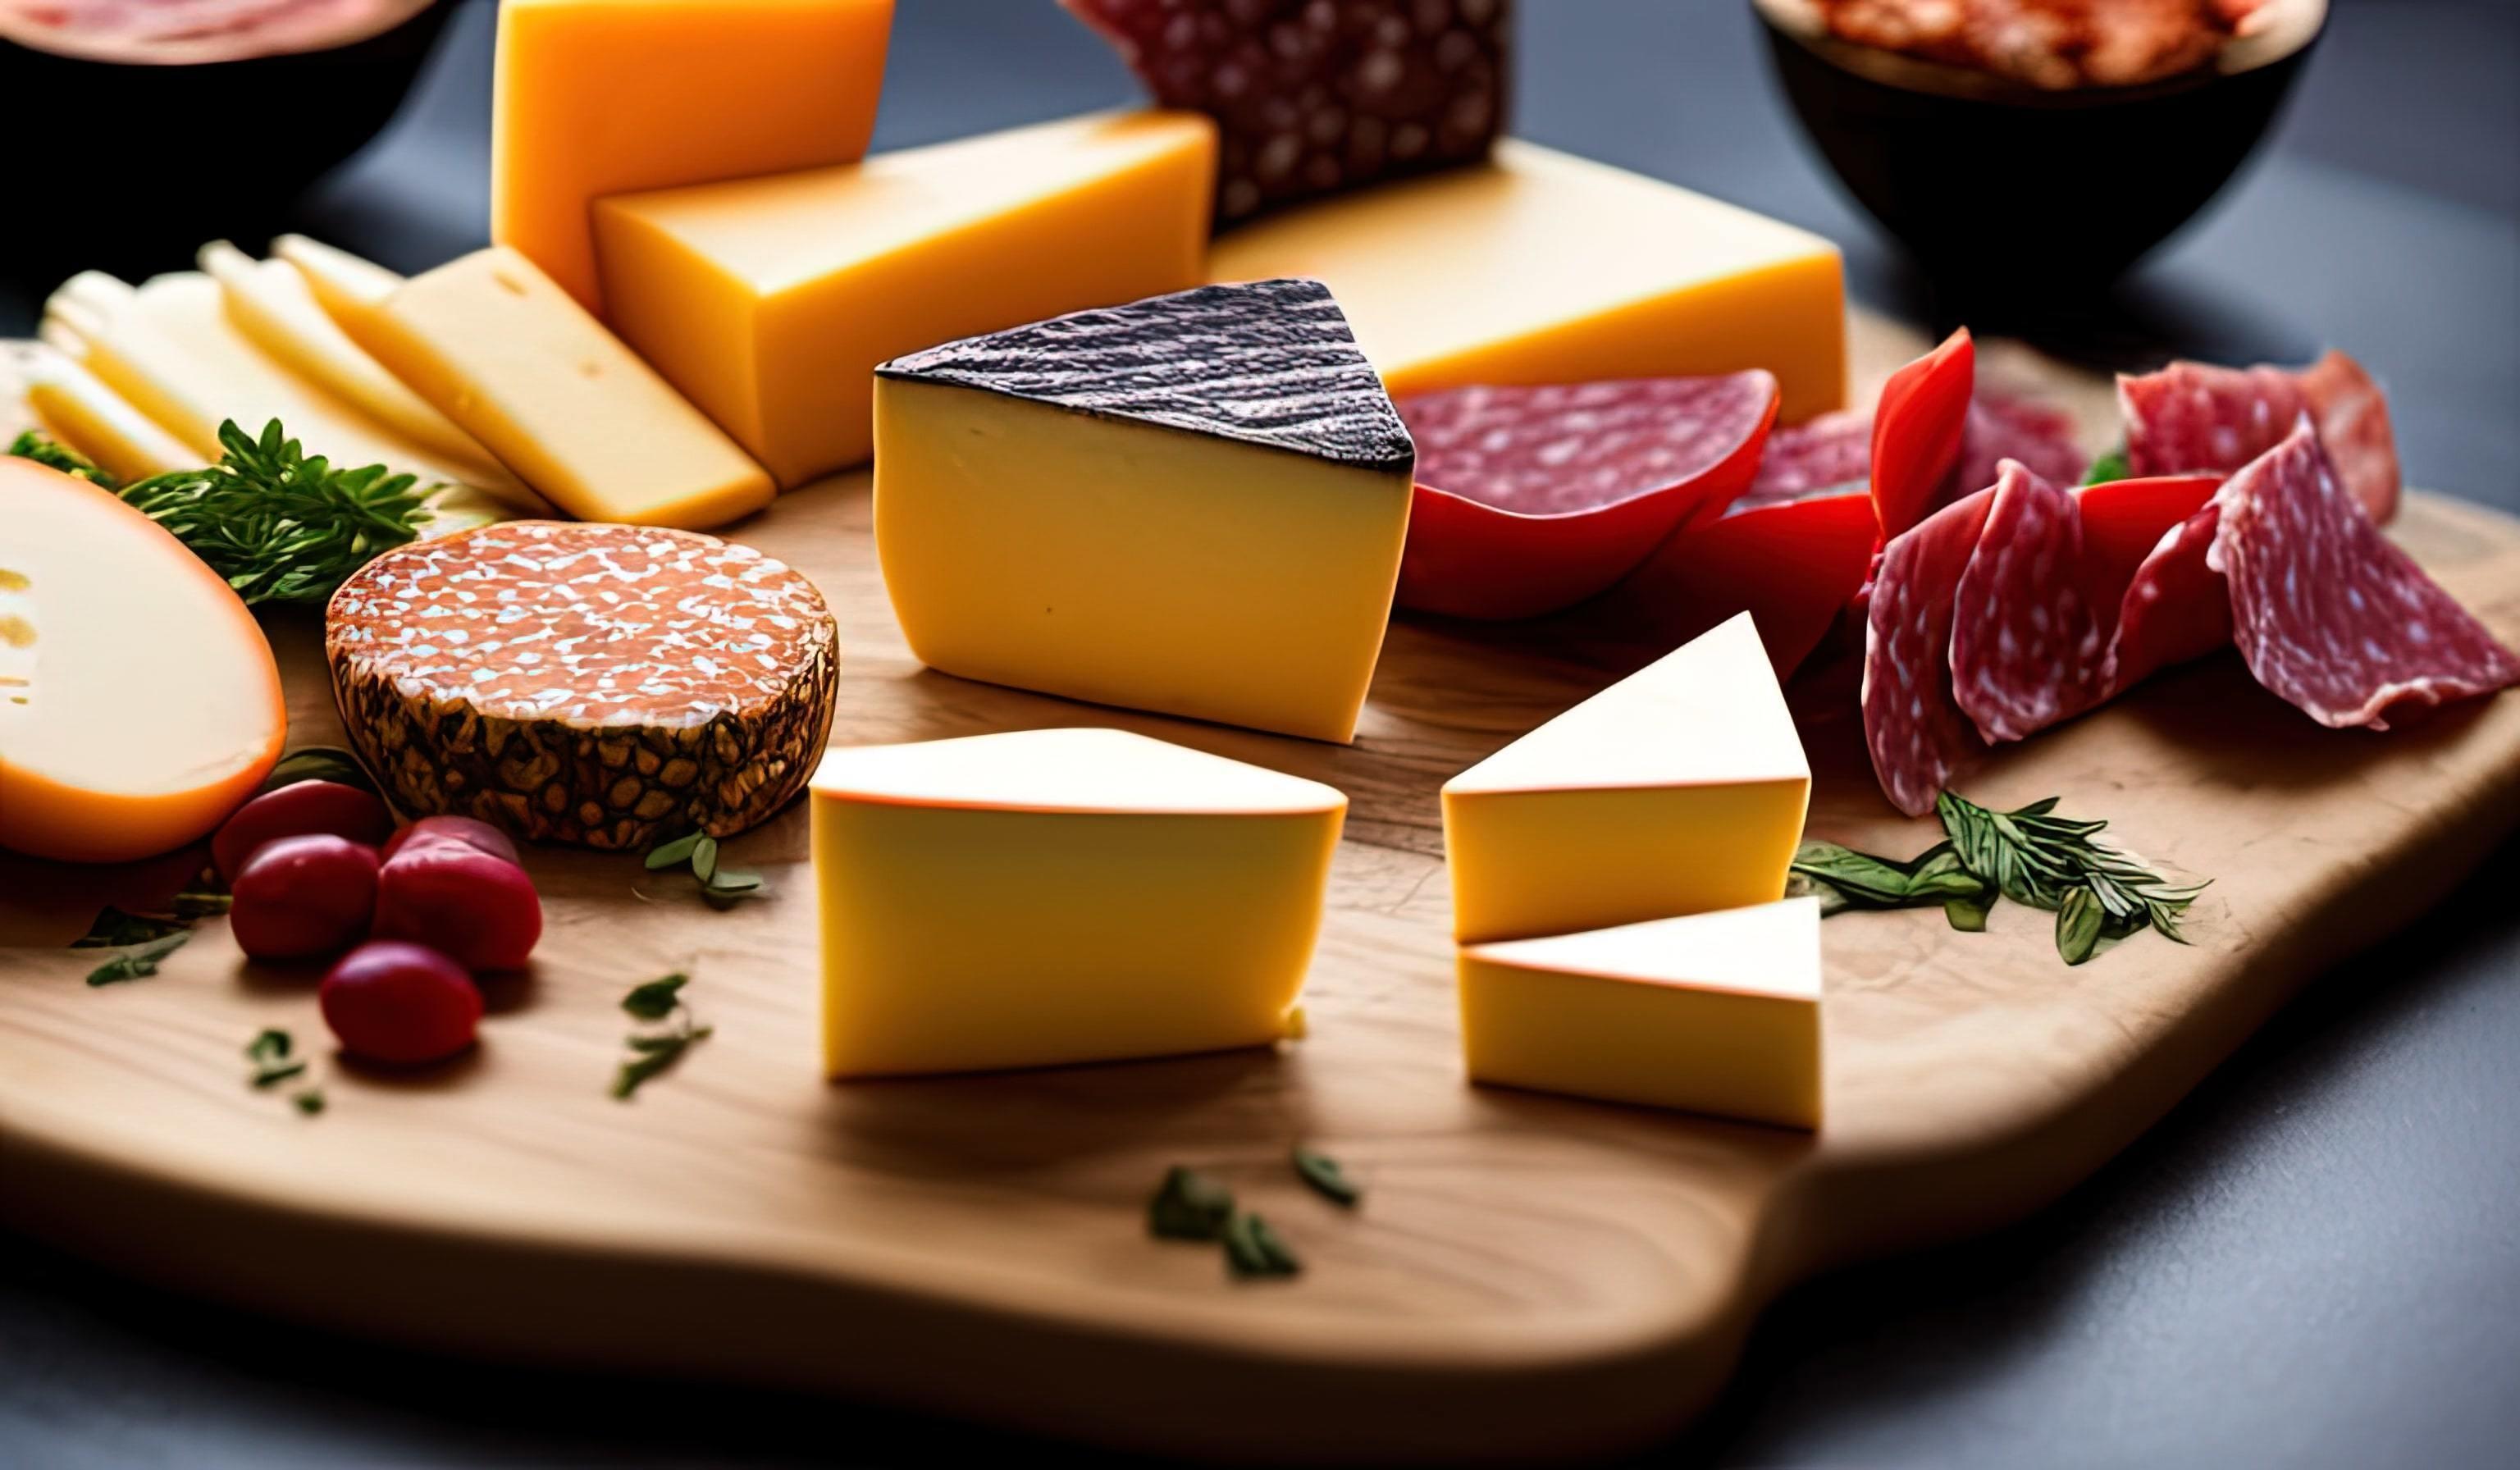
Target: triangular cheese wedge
1678,789
1713,1013
1195,504
1046,897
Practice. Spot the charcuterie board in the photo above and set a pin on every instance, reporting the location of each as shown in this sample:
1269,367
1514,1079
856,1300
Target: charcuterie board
1526,1274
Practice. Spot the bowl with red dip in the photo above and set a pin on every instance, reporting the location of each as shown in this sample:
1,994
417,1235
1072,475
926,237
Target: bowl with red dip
2033,149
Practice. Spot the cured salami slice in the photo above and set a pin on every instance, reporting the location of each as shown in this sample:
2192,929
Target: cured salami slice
2004,426
2175,607
2026,648
2197,416
1916,732
1531,498
1826,454
2330,615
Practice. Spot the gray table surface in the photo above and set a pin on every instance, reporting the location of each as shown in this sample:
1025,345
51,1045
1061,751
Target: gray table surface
2314,1260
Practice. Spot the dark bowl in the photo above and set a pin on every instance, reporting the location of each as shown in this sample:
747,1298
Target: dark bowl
2006,193
144,155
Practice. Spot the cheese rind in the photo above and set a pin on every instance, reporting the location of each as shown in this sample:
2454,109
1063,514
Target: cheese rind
1540,267
505,353
139,702
1680,789
1714,1014
771,302
1050,897
597,97
1051,537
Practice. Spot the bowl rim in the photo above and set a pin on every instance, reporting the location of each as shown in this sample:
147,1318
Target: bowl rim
2292,26
208,50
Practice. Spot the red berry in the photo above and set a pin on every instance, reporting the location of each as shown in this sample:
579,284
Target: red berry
304,896
404,1004
477,907
463,831
294,811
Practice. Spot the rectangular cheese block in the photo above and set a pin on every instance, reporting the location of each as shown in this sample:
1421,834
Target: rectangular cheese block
1046,897
1540,267
1680,788
770,301
1193,505
598,97
505,353
1714,1014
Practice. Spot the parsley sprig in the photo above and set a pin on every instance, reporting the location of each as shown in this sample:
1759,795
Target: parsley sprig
34,446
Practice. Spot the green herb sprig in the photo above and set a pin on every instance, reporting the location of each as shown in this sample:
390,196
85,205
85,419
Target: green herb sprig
721,886
2031,856
652,1053
2112,466
1189,1205
138,961
34,446
270,1053
283,527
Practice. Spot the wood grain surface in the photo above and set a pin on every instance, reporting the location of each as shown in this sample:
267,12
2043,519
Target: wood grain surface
1527,1275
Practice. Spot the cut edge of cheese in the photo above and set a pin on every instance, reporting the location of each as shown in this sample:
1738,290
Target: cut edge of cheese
1075,768
350,289
1721,950
104,612
77,408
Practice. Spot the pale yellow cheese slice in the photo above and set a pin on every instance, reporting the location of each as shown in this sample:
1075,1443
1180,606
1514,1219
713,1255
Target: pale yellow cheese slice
1678,789
351,290
1714,1012
76,407
1047,896
1542,267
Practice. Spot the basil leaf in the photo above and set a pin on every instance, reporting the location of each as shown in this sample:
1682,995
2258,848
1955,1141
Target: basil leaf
2079,921
674,854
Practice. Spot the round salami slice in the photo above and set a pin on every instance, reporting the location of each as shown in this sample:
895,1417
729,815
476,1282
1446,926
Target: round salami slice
2026,647
2330,615
1532,498
1824,455
2197,416
1916,732
2008,427
1835,450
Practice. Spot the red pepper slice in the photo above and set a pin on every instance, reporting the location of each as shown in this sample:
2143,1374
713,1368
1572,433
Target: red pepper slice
2123,521
1792,567
1918,433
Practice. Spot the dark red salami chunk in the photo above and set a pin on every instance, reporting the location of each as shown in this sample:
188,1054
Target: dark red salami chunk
2026,647
1559,449
1917,731
2175,607
1826,454
2197,416
2330,615
1311,96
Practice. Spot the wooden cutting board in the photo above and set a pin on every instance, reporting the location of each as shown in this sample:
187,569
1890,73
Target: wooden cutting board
1527,1274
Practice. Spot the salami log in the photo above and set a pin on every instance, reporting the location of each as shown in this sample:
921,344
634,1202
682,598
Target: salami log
2196,417
1531,498
1916,732
2026,648
2330,615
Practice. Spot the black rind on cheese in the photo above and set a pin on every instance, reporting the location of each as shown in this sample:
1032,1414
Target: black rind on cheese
1270,363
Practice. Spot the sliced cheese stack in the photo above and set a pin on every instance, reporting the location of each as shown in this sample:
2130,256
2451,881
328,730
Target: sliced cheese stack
1715,1013
74,407
770,301
1680,788
1056,896
598,97
1539,267
495,347
139,703
1193,505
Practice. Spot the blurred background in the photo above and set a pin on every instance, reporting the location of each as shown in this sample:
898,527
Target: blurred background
2315,1261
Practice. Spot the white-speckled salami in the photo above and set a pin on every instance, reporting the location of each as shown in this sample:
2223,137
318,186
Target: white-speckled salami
1556,449
2175,607
1835,450
604,685
2330,615
2026,647
2197,416
1917,731
1826,454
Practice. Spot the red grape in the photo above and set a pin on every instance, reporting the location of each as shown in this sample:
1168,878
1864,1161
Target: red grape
294,811
303,895
474,906
463,831
398,1003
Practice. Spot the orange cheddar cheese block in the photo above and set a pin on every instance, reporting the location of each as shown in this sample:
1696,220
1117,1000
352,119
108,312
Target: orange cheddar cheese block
598,97
1713,1013
770,301
1678,789
1542,267
139,702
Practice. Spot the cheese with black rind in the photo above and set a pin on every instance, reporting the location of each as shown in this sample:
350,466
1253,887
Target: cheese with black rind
1270,363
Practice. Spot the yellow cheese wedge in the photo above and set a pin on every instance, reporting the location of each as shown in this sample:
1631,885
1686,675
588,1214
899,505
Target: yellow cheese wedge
76,407
505,353
1715,1013
270,302
1678,789
598,97
770,301
1540,267
1193,503
139,703
351,290
1056,896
